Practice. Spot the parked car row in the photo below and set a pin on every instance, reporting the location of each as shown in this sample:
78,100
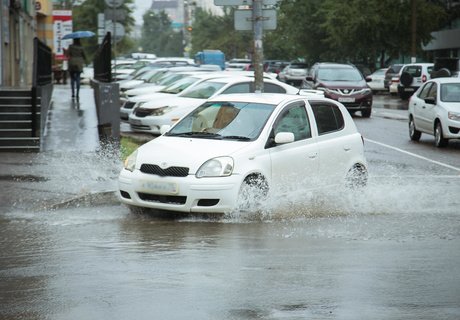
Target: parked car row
221,147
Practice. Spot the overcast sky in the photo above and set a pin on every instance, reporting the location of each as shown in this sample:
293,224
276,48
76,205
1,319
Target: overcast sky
140,6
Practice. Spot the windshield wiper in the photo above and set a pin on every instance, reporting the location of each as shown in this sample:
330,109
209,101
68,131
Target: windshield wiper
195,134
242,138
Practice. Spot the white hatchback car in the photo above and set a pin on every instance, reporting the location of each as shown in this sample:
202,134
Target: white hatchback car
152,115
435,109
235,150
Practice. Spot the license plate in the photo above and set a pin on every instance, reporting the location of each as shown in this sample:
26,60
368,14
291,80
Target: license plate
135,122
408,89
345,99
161,187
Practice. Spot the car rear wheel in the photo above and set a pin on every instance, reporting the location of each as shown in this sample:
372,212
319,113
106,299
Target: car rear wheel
356,177
439,139
413,132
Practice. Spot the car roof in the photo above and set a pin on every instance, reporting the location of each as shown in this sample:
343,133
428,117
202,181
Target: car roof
268,98
336,65
446,80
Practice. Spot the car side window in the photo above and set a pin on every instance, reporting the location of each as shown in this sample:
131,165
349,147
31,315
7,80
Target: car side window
328,117
238,88
273,88
294,119
425,90
433,91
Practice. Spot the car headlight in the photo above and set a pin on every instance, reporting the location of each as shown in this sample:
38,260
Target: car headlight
326,90
364,91
217,167
453,115
130,162
160,111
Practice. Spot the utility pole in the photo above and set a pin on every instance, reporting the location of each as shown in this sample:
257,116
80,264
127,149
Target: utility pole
258,59
413,31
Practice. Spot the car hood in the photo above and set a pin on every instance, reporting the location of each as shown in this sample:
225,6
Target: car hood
144,89
197,151
150,96
172,102
342,84
130,84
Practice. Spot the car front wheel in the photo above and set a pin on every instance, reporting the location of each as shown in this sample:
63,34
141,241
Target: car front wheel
356,177
439,139
253,192
413,132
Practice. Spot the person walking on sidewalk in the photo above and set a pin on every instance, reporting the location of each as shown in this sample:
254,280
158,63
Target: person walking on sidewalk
77,59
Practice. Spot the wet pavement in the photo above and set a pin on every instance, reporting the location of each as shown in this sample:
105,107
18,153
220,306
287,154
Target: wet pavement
70,251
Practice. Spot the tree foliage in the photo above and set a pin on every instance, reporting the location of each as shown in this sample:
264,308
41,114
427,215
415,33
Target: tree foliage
84,17
159,37
218,32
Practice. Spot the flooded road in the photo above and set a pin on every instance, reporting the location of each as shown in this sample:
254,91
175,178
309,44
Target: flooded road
390,251
365,256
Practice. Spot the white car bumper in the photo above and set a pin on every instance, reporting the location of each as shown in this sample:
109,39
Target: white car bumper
182,194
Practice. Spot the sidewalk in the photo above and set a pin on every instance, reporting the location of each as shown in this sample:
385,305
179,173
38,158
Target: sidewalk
71,165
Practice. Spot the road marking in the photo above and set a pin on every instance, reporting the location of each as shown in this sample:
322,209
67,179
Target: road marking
414,155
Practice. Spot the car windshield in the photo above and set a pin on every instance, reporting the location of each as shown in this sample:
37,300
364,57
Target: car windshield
225,120
203,90
450,92
180,85
339,74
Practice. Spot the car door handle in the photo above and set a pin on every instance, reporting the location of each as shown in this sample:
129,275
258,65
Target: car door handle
346,148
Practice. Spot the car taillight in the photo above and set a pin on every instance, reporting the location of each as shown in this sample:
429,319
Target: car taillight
395,79
424,78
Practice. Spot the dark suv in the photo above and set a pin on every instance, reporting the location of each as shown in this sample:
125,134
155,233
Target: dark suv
343,83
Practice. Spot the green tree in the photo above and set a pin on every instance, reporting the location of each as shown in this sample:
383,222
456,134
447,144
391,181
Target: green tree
159,37
218,32
84,17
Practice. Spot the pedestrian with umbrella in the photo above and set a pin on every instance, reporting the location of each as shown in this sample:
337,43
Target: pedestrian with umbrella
77,59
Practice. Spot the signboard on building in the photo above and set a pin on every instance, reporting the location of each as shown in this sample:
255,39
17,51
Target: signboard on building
62,25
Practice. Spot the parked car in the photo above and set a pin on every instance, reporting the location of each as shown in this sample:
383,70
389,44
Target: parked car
234,151
343,83
392,71
152,115
237,64
411,77
435,109
158,93
294,73
377,80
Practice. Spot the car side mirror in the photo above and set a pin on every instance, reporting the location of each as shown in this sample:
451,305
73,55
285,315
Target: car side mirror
284,137
368,79
430,100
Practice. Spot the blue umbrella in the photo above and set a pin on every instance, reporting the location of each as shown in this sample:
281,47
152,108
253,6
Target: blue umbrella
79,34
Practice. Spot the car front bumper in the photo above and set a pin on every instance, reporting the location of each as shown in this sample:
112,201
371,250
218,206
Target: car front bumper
180,194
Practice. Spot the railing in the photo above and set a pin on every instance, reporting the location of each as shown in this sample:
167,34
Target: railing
102,61
41,85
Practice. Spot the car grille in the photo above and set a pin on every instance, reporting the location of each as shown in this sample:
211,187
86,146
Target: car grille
346,92
141,112
162,198
168,172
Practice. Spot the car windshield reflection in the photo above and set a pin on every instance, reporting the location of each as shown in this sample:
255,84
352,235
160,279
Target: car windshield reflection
240,121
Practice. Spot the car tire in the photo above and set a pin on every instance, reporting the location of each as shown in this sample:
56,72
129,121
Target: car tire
356,177
406,79
366,113
253,192
414,134
439,139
